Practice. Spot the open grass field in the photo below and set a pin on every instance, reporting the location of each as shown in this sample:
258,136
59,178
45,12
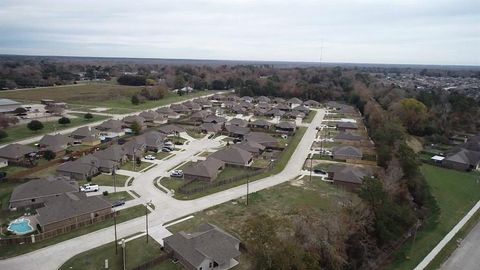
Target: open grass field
19,132
456,192
91,95
124,215
281,201
138,251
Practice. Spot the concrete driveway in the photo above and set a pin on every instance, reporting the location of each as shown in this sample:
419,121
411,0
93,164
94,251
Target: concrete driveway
166,207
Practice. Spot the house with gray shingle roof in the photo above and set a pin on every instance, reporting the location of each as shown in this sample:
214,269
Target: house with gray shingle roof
207,248
347,136
210,128
311,103
55,143
16,153
237,131
250,146
110,129
234,156
171,130
260,123
286,127
462,159
34,192
154,140
348,176
171,114
294,102
206,170
262,138
347,152
214,119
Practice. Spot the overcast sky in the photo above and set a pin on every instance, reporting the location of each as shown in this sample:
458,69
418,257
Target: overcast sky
360,31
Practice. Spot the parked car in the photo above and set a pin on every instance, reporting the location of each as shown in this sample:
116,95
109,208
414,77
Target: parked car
149,157
89,188
165,149
168,143
319,171
237,140
176,173
118,203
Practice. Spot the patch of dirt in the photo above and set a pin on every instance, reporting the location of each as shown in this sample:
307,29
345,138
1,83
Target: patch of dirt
297,182
415,144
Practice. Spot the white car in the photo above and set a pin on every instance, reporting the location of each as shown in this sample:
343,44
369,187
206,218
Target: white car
150,157
89,188
176,173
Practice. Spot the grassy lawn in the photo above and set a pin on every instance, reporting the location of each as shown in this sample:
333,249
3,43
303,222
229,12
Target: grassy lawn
172,182
277,168
138,251
261,163
91,95
195,134
12,169
107,180
19,132
282,201
124,215
456,192
129,166
116,196
309,117
160,155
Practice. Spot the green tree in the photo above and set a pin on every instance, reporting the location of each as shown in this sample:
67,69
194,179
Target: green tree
35,125
88,116
135,100
136,128
49,155
413,115
64,121
3,134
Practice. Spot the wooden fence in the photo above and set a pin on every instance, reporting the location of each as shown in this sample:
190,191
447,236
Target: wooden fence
156,261
29,239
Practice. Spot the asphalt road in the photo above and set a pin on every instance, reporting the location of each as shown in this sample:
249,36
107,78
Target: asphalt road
467,255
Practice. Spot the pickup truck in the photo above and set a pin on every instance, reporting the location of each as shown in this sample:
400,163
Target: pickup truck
89,188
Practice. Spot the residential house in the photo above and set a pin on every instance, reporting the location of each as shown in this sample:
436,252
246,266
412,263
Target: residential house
237,122
171,130
262,138
129,120
347,176
77,169
288,127
210,128
154,140
294,115
171,114
278,100
115,153
311,104
283,107
344,126
234,156
347,137
110,129
56,143
237,131
263,99
207,248
260,123
214,119
85,135
70,209
135,148
32,194
153,118
206,170
253,147
204,103
192,106
275,112
17,153
347,152
462,159
294,102
199,116
302,109
247,99
180,108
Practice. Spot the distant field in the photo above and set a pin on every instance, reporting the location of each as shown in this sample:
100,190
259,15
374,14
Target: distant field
456,192
20,132
88,96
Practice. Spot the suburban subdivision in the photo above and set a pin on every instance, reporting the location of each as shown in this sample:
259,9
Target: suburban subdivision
343,169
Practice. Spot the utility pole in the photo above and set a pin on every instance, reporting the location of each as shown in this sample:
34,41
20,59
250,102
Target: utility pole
311,161
248,183
146,221
133,153
124,254
115,226
114,179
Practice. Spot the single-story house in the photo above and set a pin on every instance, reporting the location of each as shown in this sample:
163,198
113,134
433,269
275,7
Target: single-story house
302,109
77,169
294,102
286,127
311,103
234,156
192,106
33,193
278,100
237,122
207,248
262,138
344,126
135,147
110,129
347,136
250,146
153,140
348,176
115,153
198,116
70,209
81,133
214,119
210,128
206,170
171,114
248,99
237,131
263,99
129,120
260,123
462,159
347,152
283,107
180,108
153,118
16,153
275,112
56,143
171,130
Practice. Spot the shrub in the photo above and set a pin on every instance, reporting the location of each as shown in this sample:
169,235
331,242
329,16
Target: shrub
35,125
88,116
105,193
49,155
64,121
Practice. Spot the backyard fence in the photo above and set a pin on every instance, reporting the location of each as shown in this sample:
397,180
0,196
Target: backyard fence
154,262
29,239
